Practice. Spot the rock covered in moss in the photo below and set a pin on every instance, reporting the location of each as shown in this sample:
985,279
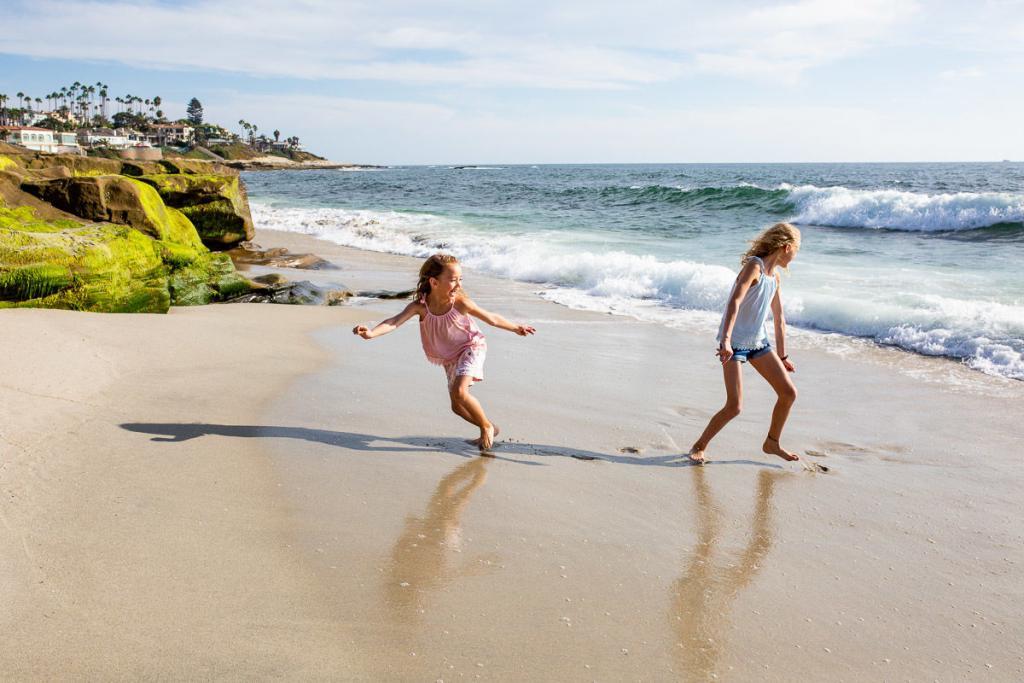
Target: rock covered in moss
117,199
74,165
194,167
90,267
216,204
210,277
92,236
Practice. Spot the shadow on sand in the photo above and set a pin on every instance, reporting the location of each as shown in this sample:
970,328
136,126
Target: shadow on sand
184,431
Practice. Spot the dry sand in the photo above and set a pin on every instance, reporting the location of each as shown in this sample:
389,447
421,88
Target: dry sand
251,491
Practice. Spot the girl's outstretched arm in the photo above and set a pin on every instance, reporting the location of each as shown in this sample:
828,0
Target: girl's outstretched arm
467,306
748,275
389,325
780,328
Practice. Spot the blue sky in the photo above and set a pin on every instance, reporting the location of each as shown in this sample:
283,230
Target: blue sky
574,81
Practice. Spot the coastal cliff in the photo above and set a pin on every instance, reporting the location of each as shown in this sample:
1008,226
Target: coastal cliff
118,236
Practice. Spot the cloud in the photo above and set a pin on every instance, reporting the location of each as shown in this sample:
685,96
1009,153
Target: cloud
784,41
565,45
963,74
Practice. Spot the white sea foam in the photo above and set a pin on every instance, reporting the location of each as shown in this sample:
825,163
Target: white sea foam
842,207
987,335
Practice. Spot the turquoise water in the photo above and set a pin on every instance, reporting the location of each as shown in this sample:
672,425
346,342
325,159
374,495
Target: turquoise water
925,257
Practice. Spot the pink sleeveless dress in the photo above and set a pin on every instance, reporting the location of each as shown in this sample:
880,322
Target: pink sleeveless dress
453,341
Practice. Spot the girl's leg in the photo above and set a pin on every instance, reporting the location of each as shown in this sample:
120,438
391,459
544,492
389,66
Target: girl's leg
464,414
733,377
771,368
468,408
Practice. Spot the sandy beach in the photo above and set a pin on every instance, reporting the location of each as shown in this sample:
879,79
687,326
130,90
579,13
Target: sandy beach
250,491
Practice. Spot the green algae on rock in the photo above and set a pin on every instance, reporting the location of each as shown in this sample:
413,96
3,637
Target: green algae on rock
117,199
96,234
89,267
216,204
210,277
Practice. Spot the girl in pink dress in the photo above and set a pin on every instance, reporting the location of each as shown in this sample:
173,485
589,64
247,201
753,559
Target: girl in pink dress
450,337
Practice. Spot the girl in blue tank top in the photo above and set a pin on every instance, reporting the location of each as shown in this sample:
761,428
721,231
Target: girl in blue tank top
742,337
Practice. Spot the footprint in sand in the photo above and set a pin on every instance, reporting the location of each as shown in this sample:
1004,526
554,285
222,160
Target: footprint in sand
684,411
816,454
815,467
846,448
630,449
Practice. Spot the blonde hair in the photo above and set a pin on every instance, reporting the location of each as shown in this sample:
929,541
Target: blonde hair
432,267
775,237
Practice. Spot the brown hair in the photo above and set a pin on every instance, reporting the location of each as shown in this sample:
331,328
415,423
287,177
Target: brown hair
432,267
775,237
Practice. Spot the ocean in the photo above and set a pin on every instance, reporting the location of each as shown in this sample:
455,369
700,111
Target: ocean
923,257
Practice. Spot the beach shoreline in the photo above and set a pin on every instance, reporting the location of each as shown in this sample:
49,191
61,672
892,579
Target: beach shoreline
251,491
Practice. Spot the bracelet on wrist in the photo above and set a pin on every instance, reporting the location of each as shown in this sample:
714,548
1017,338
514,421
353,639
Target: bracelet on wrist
786,357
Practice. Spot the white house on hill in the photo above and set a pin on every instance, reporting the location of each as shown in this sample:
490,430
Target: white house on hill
38,139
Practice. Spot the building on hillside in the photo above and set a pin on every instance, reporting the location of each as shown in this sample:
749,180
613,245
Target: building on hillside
173,134
38,139
67,143
138,138
64,115
103,137
34,118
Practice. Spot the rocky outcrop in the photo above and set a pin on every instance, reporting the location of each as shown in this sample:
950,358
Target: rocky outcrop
117,199
210,194
90,234
215,203
274,288
91,267
248,253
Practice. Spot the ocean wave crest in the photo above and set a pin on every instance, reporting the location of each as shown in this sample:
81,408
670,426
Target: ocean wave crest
838,206
841,207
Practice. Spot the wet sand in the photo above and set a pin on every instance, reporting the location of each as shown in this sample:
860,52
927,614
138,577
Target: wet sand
311,509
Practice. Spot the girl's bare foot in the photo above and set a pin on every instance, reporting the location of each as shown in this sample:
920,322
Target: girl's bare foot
476,441
772,447
697,455
487,435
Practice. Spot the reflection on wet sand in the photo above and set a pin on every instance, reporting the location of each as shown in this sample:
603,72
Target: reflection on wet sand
420,555
701,597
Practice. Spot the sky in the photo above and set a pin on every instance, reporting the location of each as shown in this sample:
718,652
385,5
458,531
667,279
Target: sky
556,81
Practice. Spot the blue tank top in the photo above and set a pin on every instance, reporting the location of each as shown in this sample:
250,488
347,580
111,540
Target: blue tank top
748,331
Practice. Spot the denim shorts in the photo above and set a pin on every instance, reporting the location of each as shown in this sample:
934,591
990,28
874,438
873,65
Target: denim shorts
743,355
